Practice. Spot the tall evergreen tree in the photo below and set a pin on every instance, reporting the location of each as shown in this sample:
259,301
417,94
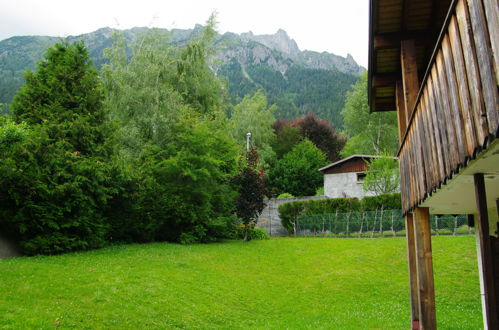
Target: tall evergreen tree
54,196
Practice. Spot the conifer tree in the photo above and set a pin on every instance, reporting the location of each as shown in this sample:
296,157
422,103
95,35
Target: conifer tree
54,199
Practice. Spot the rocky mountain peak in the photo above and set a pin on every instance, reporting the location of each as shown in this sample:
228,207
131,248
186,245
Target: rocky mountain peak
279,41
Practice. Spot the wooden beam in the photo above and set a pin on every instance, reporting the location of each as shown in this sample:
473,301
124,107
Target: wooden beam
392,40
413,278
422,232
409,75
385,79
401,114
489,303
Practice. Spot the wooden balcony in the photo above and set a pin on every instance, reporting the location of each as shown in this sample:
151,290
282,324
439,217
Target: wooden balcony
455,117
448,126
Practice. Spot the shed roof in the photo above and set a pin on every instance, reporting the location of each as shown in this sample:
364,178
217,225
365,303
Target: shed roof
345,160
390,22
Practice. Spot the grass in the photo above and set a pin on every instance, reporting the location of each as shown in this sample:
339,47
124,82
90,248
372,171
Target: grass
294,283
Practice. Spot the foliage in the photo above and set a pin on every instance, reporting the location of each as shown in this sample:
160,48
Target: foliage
287,137
175,147
385,201
252,190
253,115
368,133
297,172
188,182
318,131
289,212
296,92
252,233
382,176
195,81
139,91
321,133
285,195
56,178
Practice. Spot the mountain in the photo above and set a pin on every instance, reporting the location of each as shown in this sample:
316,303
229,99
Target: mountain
296,81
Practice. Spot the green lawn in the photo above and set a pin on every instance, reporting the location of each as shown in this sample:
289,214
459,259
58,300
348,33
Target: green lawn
295,283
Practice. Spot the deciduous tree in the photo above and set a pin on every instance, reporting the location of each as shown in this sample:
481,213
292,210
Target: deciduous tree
368,133
297,172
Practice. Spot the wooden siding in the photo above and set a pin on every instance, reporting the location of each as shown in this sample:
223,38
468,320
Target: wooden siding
456,112
352,165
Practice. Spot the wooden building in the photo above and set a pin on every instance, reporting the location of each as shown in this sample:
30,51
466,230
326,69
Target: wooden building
436,62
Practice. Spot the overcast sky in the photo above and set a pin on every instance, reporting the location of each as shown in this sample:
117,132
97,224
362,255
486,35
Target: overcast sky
336,26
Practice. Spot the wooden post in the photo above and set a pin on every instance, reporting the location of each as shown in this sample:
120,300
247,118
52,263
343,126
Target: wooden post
401,113
413,280
486,266
424,265
410,80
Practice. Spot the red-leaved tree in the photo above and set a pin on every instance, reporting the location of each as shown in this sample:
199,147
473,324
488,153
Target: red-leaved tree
317,130
252,190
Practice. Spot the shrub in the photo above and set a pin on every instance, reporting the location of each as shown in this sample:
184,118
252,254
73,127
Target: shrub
252,233
285,195
385,201
331,205
289,212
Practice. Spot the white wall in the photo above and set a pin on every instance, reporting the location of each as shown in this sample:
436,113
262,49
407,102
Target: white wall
344,185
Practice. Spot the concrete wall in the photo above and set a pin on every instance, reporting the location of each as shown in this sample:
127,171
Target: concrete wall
269,218
8,249
344,185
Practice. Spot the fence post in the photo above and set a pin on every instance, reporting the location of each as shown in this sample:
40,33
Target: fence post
362,223
455,226
348,223
381,222
393,230
374,223
436,225
335,221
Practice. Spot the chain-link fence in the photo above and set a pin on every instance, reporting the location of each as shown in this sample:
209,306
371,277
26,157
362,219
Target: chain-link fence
374,224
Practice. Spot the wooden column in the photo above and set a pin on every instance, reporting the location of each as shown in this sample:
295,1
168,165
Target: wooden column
413,279
489,304
424,265
401,112
410,80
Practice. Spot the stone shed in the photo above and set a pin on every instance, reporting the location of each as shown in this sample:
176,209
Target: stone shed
344,178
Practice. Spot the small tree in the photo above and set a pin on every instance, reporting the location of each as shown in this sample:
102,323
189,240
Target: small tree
382,176
297,172
251,187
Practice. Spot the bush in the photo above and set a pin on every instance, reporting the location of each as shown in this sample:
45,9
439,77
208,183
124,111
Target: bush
331,205
253,233
385,201
285,195
289,212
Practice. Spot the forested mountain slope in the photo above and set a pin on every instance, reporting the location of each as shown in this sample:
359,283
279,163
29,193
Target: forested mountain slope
296,81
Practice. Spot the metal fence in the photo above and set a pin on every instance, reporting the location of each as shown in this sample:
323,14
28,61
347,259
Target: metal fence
374,224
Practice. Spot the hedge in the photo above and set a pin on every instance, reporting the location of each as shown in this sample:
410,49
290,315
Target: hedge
289,212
